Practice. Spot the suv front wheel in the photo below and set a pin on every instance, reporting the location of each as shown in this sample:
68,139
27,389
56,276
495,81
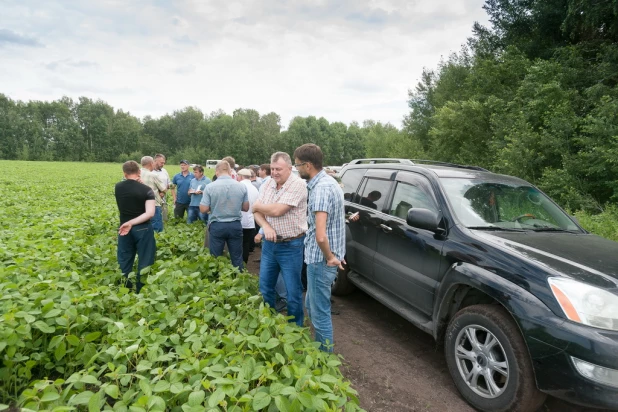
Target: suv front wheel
489,362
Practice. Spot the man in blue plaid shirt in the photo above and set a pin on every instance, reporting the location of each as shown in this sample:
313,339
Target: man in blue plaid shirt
324,242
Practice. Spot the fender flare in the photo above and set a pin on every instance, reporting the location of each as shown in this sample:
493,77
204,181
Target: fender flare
523,306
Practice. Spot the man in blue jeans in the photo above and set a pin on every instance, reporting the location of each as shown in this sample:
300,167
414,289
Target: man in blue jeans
281,211
182,183
196,190
325,241
136,204
224,199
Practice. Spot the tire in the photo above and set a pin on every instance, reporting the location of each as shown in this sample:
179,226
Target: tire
505,362
342,285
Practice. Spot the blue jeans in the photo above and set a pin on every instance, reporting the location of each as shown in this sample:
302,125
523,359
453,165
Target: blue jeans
320,277
287,258
230,233
157,220
140,240
194,213
280,287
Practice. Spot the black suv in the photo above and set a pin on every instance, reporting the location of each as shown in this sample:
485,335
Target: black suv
524,300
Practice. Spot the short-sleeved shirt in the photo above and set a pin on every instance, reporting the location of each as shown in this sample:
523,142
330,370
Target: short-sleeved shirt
151,180
325,195
248,222
164,176
198,185
292,193
182,187
131,197
225,197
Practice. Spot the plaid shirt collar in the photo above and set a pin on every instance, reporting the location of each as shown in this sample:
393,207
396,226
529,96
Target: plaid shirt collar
315,179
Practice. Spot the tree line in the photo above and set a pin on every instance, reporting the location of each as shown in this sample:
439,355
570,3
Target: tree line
533,95
92,130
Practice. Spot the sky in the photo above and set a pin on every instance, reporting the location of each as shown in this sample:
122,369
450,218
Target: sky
344,60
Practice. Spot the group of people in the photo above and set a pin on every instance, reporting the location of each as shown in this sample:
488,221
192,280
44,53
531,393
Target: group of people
300,218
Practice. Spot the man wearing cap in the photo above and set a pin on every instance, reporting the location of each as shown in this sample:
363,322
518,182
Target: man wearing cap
196,190
281,211
182,182
225,199
248,222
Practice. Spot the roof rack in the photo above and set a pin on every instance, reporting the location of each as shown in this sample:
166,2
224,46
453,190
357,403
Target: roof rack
375,160
434,162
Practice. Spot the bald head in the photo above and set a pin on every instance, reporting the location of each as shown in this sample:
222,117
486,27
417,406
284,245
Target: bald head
147,162
222,168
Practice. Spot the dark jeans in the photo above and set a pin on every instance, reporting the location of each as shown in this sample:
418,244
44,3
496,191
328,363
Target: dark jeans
221,233
140,240
247,241
180,209
193,213
285,258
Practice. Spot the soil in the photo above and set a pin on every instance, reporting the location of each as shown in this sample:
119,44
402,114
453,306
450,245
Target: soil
393,365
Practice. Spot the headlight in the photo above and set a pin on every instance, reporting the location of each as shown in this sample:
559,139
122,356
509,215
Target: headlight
586,304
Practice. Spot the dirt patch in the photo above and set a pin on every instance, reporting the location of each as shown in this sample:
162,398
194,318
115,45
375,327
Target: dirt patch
393,365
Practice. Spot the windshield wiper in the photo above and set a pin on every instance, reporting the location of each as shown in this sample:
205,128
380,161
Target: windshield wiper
495,228
552,229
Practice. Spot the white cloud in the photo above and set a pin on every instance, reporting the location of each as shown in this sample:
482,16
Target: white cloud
344,60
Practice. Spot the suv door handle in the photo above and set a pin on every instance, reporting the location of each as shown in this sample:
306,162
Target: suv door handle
386,228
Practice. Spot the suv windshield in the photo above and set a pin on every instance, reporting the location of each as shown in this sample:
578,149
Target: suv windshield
500,204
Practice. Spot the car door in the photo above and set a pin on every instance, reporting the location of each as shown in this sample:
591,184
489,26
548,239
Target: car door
407,259
369,201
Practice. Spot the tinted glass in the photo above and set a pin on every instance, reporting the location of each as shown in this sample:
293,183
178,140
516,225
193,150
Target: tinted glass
374,193
351,179
409,196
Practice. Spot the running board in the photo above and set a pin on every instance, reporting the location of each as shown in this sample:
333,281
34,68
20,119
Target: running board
394,303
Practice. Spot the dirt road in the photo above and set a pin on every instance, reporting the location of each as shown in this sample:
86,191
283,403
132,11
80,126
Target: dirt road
393,365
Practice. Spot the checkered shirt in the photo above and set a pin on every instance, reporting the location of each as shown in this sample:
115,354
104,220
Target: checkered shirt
293,193
325,195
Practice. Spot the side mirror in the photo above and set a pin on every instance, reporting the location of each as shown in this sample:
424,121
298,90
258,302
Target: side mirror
423,219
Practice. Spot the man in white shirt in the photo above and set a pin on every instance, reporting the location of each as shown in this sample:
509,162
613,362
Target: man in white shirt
247,221
164,177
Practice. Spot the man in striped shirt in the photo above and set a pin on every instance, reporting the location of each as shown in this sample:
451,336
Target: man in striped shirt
281,211
325,241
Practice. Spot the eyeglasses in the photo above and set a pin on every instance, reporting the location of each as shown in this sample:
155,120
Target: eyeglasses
300,164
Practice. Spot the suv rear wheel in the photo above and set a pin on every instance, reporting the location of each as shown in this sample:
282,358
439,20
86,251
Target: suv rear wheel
489,362
342,285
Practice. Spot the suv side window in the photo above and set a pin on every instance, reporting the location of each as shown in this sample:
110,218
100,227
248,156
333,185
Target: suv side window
373,193
351,179
412,191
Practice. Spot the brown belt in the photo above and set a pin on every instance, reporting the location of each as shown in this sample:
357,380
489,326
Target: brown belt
287,239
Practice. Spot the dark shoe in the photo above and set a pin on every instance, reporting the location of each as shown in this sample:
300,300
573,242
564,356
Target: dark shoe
281,305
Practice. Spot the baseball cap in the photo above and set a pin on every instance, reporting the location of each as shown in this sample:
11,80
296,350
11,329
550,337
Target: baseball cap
245,172
184,161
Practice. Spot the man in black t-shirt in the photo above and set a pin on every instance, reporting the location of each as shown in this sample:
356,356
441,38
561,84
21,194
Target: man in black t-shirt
136,204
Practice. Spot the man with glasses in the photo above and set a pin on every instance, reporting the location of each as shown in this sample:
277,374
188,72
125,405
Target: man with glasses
281,211
325,241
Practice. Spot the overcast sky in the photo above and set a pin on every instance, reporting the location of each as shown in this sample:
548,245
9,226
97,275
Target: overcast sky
345,60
